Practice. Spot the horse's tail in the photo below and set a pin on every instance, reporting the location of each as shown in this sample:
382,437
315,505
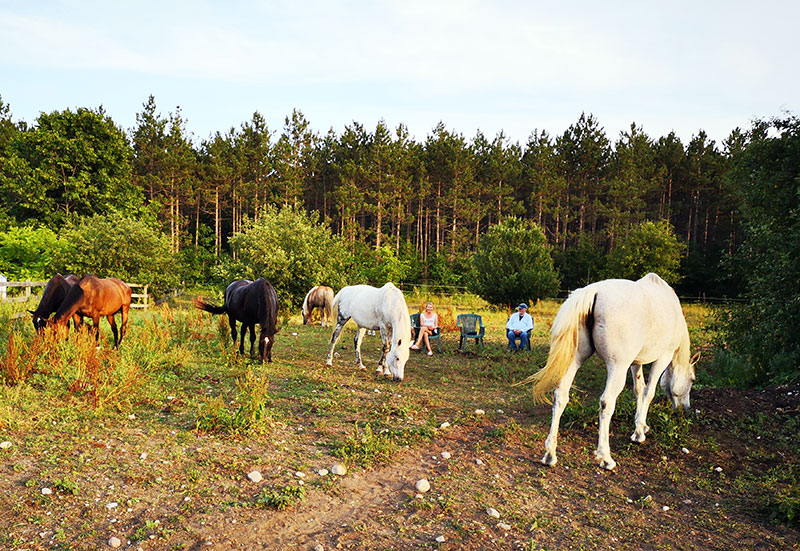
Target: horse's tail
570,320
210,307
335,307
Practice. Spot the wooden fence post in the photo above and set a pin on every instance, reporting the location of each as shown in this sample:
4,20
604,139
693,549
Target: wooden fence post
27,289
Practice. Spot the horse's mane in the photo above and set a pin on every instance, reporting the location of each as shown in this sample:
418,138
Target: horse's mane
681,358
401,319
305,300
72,299
47,296
268,306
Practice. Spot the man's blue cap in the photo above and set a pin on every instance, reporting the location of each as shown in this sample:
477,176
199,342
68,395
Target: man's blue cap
521,306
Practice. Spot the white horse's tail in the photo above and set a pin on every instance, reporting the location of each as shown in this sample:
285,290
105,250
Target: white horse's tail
570,320
335,309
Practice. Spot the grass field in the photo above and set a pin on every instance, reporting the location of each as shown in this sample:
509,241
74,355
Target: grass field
153,443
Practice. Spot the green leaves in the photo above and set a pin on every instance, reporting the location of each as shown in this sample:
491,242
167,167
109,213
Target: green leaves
513,264
648,247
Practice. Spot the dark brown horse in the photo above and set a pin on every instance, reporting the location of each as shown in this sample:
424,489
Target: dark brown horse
54,293
251,303
96,298
318,297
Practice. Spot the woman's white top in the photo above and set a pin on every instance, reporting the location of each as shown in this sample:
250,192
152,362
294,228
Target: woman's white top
432,321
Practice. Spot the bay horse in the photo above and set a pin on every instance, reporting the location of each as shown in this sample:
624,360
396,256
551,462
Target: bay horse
320,297
373,308
251,303
54,293
95,298
628,324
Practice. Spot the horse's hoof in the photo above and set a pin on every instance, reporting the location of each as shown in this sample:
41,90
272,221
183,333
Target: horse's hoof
608,464
362,366
549,459
638,436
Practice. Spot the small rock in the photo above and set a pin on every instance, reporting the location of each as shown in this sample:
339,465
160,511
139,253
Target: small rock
684,450
423,485
446,455
500,411
718,469
300,474
419,496
648,498
319,547
143,456
339,469
663,458
5,445
687,501
112,505
114,542
46,491
131,416
254,476
504,526
376,391
492,512
665,508
322,472
629,500
479,412
441,539
444,425
478,462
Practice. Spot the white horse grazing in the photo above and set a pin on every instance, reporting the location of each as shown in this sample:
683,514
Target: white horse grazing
628,324
373,308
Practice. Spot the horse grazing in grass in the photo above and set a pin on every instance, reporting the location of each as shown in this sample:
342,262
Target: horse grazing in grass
54,293
95,298
251,303
372,308
628,324
318,297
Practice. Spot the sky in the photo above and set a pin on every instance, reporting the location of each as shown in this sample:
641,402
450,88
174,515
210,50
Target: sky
510,66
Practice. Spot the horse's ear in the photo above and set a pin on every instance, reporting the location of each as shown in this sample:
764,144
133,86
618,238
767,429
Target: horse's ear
695,358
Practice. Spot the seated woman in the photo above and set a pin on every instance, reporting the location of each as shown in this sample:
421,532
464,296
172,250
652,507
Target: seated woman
428,325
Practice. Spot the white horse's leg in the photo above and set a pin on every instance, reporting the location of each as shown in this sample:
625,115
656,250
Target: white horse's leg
608,402
357,342
334,338
643,404
382,367
560,400
638,392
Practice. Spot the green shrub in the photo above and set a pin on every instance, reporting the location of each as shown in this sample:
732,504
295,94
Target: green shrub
513,264
648,247
281,498
26,253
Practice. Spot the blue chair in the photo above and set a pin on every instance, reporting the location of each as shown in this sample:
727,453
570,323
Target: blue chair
471,326
415,328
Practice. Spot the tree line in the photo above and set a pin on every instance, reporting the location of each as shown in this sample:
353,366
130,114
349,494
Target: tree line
500,218
429,201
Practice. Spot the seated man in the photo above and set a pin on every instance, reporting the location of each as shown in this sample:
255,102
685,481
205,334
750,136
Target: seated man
518,326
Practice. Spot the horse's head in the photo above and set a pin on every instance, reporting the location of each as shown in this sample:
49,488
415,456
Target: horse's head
396,359
39,323
306,317
677,383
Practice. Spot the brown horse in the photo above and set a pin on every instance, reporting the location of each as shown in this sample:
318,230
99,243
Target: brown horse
96,298
54,293
318,297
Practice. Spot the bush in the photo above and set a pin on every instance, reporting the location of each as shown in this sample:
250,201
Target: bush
291,249
648,247
513,264
26,252
117,246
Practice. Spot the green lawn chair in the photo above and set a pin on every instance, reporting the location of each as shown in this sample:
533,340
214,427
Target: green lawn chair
471,326
431,338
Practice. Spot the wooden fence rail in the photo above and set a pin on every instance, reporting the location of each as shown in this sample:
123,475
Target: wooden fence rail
138,300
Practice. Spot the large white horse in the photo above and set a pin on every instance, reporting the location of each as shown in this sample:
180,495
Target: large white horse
373,308
628,324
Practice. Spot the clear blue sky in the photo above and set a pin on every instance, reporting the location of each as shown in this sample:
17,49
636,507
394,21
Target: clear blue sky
502,65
